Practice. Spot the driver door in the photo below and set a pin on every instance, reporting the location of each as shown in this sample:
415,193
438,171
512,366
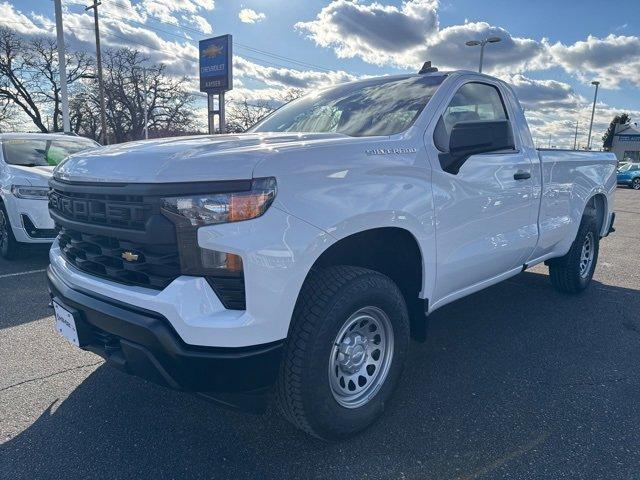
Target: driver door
485,214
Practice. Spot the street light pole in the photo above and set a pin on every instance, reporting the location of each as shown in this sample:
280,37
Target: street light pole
482,43
62,65
593,111
103,115
575,137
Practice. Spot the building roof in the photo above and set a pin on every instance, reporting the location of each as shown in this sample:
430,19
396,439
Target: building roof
631,129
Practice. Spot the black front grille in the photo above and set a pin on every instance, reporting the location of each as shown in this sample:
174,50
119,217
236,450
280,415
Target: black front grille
152,266
119,232
123,211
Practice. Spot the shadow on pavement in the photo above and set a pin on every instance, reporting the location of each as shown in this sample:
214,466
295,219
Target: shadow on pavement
34,258
23,299
507,378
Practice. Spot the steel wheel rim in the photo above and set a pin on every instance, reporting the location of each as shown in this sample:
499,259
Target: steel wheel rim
586,255
360,358
4,232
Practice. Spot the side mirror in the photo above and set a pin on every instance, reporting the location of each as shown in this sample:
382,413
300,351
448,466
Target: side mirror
471,138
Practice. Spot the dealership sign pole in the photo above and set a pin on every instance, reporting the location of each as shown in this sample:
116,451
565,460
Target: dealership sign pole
62,65
216,76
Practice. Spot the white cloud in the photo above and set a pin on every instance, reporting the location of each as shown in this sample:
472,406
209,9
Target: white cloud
611,60
247,15
544,94
201,23
288,77
512,54
557,127
123,9
407,36
17,21
377,33
176,11
552,108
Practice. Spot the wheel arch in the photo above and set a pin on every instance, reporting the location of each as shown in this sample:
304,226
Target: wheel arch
392,251
597,206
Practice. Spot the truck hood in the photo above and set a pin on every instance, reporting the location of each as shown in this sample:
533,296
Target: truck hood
183,159
34,176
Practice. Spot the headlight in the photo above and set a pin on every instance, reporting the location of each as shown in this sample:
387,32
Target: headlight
33,193
211,209
223,270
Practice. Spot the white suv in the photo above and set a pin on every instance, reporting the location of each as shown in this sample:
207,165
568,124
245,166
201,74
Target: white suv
26,163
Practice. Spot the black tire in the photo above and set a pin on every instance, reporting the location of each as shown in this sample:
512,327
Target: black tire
635,184
9,246
328,298
565,272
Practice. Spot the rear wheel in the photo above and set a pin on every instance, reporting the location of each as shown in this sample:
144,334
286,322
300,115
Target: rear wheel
345,351
9,246
573,272
636,183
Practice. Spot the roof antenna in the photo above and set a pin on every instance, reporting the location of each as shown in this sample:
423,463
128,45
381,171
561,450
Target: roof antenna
427,68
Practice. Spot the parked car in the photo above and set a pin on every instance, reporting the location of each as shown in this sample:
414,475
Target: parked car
26,163
299,257
622,164
629,175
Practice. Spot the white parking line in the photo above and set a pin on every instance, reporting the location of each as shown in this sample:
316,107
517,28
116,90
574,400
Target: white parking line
22,273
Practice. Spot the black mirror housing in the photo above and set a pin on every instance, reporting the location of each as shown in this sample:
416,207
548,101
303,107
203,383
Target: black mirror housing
472,138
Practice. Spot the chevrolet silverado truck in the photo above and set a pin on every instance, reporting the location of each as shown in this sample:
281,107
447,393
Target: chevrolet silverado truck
295,261
26,163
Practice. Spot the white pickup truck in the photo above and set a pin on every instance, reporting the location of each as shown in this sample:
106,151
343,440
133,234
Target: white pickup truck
300,257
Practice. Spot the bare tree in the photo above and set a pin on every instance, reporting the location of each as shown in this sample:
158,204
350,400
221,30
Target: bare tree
84,115
241,114
169,103
244,114
29,77
291,94
9,116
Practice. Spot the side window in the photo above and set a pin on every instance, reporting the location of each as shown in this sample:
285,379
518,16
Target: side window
631,156
472,102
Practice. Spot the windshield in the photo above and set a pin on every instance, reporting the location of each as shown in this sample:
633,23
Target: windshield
31,152
629,166
381,106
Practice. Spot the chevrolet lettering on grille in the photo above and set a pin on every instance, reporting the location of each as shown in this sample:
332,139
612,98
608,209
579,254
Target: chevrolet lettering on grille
98,211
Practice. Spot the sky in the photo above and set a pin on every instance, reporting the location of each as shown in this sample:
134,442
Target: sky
550,50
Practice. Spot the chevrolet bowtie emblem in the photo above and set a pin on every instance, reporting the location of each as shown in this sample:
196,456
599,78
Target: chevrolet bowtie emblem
130,256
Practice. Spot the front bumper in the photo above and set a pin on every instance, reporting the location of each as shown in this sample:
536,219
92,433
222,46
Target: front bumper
277,251
30,220
144,344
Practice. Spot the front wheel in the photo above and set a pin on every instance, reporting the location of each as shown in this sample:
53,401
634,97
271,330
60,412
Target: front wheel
573,272
9,247
636,183
345,351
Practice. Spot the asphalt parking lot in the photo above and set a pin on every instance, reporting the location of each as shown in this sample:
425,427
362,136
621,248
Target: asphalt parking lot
517,381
